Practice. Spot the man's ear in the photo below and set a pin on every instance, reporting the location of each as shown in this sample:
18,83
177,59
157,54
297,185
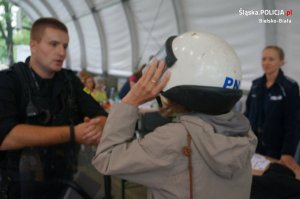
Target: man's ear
32,45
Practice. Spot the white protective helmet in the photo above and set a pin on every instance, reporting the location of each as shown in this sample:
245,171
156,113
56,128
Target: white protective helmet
205,72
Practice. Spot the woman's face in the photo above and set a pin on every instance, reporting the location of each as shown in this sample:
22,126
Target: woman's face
271,61
89,83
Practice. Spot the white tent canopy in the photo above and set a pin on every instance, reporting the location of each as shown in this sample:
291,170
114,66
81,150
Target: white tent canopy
114,37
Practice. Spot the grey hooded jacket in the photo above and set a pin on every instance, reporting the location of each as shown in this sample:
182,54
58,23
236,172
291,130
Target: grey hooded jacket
222,147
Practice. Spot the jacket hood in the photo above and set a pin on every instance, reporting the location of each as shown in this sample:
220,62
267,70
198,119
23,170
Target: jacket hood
225,142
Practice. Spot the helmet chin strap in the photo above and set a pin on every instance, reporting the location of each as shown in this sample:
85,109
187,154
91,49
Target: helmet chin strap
161,100
158,99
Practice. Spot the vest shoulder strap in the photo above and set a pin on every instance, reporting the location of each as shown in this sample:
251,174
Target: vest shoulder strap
22,74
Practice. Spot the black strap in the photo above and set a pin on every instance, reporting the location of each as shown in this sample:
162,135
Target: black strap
70,97
19,68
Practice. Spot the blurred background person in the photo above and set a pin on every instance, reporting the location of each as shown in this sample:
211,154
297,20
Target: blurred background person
131,80
90,88
100,86
82,75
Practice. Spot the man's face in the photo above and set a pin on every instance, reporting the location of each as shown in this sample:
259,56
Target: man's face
49,53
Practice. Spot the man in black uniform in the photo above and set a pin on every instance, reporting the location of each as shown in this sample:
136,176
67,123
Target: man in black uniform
44,117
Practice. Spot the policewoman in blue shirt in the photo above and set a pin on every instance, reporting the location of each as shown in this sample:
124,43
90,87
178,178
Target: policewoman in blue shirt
272,106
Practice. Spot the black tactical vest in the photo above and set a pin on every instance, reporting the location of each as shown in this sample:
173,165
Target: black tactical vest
58,107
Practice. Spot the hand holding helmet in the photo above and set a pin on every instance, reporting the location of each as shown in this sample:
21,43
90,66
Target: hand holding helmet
149,85
206,74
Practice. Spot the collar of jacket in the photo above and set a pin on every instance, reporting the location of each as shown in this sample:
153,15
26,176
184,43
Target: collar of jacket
59,80
279,79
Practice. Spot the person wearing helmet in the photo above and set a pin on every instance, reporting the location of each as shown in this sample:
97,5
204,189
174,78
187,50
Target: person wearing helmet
205,151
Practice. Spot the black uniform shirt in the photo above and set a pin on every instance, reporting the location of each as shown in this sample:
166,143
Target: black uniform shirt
272,114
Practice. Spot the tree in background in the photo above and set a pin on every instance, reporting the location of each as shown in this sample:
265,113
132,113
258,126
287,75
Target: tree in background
11,34
6,29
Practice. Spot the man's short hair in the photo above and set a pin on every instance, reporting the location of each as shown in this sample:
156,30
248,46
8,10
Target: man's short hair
39,26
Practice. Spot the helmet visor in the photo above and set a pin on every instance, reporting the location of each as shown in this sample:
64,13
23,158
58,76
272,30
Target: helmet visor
165,53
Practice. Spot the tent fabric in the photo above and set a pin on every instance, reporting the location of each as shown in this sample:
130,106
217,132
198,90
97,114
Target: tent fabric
116,36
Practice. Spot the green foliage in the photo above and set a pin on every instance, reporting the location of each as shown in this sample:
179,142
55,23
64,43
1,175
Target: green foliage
3,53
21,37
9,36
26,22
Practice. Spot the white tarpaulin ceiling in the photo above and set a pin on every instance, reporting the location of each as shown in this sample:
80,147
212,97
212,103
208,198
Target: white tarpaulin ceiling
114,36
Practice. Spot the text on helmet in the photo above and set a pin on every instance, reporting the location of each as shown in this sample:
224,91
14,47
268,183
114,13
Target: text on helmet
230,82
